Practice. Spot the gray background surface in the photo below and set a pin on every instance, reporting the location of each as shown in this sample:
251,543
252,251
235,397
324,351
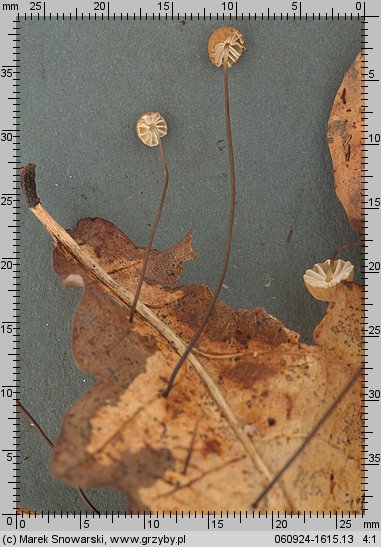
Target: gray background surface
83,85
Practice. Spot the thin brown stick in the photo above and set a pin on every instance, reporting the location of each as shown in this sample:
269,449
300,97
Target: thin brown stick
215,296
221,356
153,230
310,436
61,237
81,493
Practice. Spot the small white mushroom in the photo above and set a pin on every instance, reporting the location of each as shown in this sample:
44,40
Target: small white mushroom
225,46
225,37
322,280
150,127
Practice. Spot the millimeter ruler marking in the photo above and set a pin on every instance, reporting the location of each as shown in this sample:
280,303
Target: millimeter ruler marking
104,11
10,200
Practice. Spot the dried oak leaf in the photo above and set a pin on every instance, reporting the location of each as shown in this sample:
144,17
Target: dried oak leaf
180,453
344,139
25,512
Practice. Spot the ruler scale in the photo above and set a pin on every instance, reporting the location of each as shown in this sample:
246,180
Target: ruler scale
340,525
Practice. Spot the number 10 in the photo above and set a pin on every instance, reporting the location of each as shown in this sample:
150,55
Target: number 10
228,6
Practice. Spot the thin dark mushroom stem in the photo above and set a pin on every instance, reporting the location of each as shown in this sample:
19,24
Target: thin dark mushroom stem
153,230
210,307
35,424
310,435
333,256
81,493
191,446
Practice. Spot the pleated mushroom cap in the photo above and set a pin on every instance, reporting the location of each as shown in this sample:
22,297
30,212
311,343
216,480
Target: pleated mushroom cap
321,282
219,39
150,127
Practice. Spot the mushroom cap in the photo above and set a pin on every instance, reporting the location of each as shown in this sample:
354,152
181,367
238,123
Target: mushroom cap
320,285
218,41
149,126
